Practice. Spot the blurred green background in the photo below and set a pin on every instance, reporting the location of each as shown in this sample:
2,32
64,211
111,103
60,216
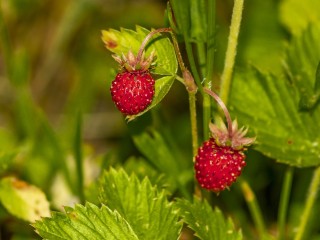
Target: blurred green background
54,74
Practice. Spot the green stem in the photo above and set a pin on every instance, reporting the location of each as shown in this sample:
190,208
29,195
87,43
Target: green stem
253,207
193,66
79,159
284,200
189,82
147,39
209,67
311,198
231,50
206,103
193,119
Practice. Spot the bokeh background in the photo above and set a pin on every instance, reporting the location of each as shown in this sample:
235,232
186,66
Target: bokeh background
54,70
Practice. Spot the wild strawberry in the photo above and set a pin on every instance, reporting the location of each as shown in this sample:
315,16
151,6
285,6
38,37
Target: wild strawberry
220,159
132,92
133,89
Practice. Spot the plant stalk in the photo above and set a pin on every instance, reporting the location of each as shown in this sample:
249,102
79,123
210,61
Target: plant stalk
193,119
79,159
254,208
311,198
209,67
284,200
231,50
224,109
147,39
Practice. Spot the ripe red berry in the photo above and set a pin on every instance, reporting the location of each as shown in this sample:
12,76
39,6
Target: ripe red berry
132,92
217,167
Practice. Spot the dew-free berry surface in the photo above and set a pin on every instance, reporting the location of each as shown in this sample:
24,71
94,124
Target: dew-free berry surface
132,92
217,167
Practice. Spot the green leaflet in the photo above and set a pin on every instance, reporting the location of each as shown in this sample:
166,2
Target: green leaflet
282,110
269,106
303,58
135,210
296,15
85,222
205,222
154,147
147,210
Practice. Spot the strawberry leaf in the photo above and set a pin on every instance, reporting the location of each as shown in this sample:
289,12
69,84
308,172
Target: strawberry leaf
120,42
22,200
147,210
154,147
303,58
271,109
85,222
135,211
205,222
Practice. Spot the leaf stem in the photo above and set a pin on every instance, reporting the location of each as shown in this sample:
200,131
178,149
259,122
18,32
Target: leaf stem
231,50
224,109
147,39
284,200
193,119
209,67
79,159
254,208
193,66
311,198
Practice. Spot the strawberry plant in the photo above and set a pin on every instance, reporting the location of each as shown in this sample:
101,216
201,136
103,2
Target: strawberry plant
219,106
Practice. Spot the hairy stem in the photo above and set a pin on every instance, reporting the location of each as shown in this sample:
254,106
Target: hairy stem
311,198
224,109
193,119
284,200
147,39
253,207
231,50
193,66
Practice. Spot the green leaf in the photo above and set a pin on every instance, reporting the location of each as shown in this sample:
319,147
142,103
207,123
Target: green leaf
120,42
296,15
205,222
154,147
141,168
23,200
145,209
303,57
269,106
85,222
162,87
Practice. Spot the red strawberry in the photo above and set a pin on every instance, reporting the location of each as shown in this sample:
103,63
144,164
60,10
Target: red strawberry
220,160
133,89
217,167
132,92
